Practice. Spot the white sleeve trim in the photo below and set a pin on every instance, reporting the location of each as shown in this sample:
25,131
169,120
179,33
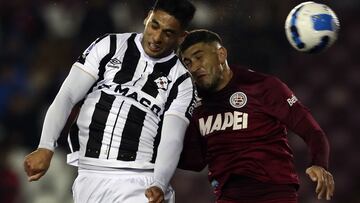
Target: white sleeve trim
89,71
169,150
74,88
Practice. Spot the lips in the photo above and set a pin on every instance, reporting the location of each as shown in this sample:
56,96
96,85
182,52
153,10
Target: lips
201,76
154,47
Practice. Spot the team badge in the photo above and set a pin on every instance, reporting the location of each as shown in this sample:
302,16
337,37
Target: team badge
238,100
162,82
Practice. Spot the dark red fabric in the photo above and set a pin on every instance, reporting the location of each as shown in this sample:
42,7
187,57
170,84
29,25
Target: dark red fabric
244,189
268,201
260,149
9,186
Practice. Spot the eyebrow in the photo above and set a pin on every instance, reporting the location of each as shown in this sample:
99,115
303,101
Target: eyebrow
165,30
193,54
196,52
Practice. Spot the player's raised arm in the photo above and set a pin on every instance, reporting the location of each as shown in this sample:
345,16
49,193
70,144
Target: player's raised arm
298,118
74,88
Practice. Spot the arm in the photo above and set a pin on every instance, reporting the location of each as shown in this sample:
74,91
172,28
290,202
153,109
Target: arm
82,76
318,144
169,150
297,117
74,88
178,111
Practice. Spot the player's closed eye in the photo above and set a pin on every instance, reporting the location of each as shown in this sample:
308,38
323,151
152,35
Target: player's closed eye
187,63
198,57
154,26
169,34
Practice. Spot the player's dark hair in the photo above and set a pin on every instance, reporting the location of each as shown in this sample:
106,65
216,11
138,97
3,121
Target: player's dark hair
197,36
182,10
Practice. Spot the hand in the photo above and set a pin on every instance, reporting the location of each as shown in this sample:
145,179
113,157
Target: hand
37,163
324,179
154,194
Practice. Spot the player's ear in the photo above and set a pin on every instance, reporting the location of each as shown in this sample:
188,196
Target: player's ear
182,37
222,54
147,17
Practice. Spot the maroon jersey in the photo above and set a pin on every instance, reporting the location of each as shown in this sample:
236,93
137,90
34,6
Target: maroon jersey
242,130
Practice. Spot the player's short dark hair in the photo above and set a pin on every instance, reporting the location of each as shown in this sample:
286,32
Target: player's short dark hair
197,36
182,10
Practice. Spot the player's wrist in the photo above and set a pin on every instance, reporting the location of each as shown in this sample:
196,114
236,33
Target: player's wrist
47,146
161,186
45,150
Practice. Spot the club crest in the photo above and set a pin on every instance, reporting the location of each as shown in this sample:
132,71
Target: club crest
238,100
162,82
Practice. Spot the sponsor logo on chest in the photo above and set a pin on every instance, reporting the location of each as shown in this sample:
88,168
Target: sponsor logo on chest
223,121
127,92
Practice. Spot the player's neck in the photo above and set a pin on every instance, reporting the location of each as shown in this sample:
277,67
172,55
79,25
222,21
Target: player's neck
227,74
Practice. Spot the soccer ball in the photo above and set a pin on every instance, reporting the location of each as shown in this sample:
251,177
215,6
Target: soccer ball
311,27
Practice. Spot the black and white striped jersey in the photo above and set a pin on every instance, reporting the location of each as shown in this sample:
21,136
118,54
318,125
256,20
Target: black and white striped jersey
120,121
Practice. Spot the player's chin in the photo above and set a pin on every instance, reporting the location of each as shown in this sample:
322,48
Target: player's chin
203,85
201,81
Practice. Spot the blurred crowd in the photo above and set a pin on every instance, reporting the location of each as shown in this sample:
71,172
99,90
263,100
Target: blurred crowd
41,39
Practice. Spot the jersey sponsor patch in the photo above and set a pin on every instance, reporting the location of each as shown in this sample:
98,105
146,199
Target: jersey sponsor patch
292,100
238,100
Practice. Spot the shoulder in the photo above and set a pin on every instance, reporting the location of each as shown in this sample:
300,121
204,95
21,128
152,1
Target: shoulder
273,81
252,76
180,66
179,70
124,36
117,38
259,83
246,75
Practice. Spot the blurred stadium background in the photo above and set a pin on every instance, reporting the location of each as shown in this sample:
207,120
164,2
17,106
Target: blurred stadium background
40,39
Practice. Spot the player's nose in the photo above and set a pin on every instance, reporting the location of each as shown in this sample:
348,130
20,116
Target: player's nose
157,37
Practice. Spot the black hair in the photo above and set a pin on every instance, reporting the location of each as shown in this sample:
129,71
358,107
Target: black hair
182,10
197,36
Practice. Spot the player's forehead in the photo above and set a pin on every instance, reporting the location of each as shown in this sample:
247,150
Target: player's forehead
197,48
165,20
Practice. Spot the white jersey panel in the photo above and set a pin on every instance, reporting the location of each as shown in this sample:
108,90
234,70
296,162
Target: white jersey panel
183,102
119,124
89,60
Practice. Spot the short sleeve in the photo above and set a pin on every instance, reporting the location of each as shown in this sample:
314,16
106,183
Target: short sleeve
90,59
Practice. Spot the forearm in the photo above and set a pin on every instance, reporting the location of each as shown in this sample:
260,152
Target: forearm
169,150
74,88
315,139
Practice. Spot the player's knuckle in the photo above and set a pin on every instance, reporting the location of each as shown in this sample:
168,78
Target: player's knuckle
322,181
